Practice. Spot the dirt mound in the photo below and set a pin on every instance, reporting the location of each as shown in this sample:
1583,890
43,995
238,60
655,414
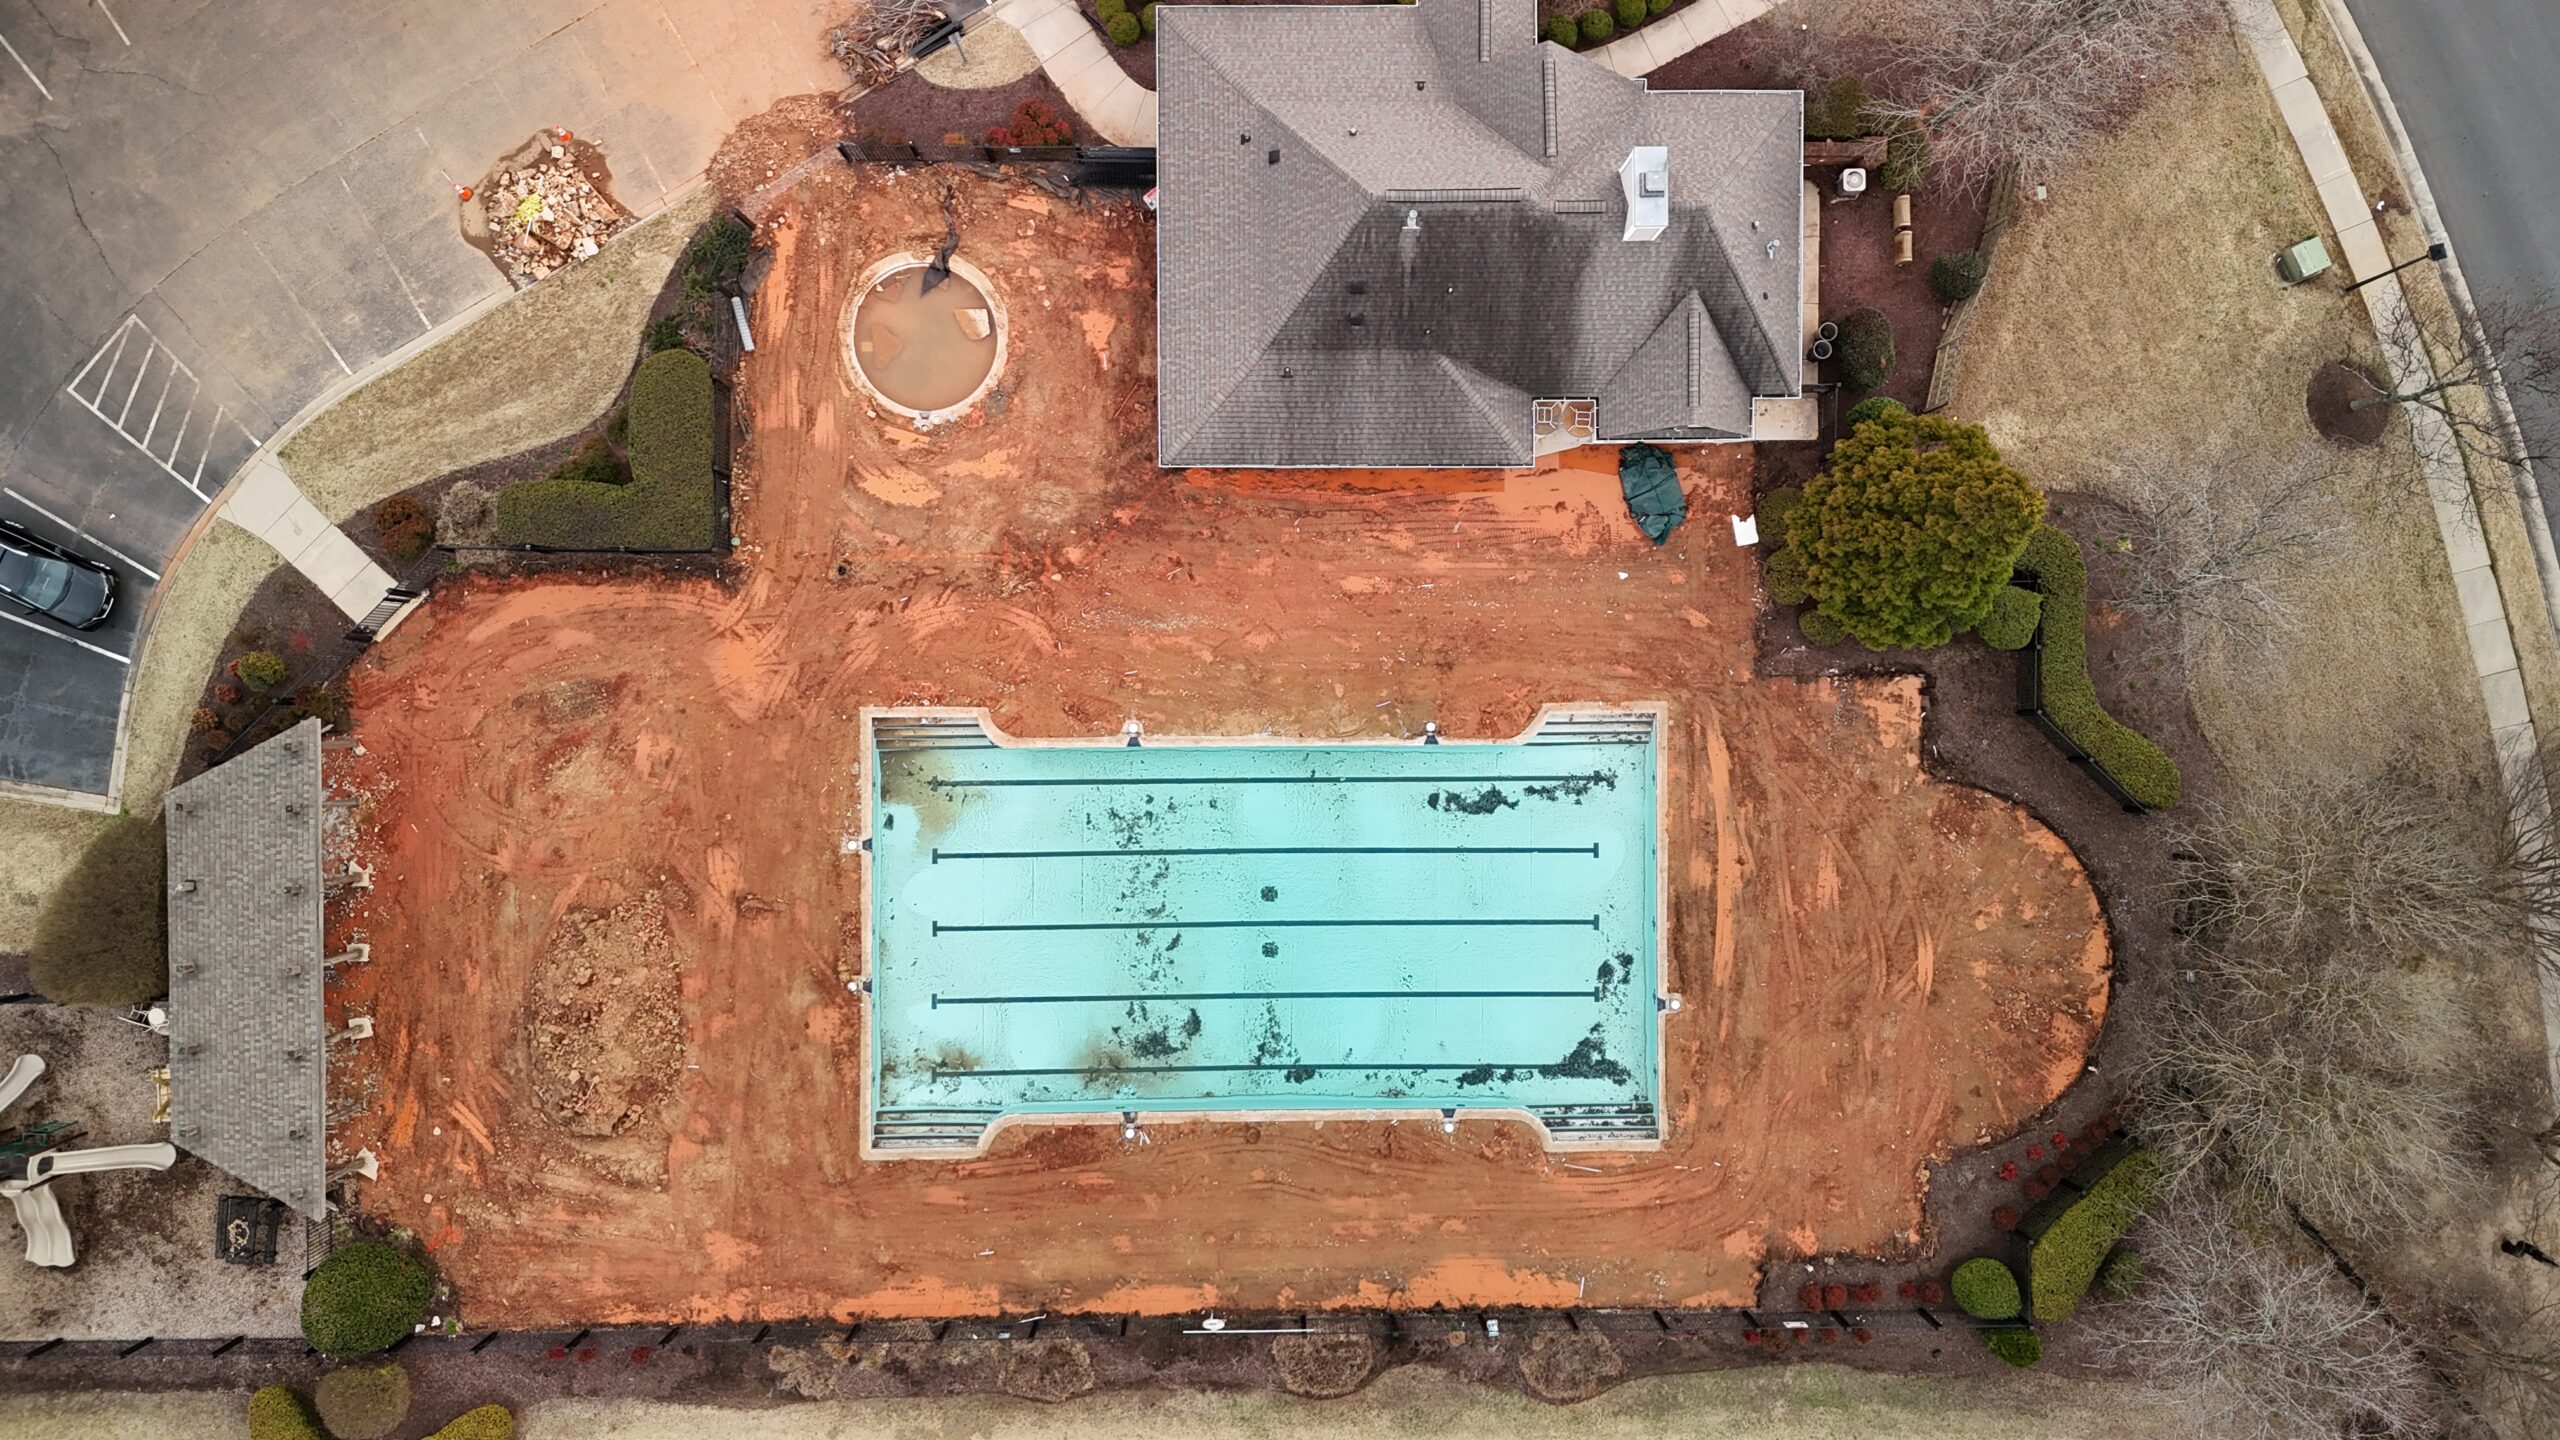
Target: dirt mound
2336,388
1046,1370
1322,1367
1570,1365
607,1020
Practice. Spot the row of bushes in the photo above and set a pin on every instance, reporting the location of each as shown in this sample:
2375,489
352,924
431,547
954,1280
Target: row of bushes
1123,26
2075,1243
669,500
2145,771
1595,26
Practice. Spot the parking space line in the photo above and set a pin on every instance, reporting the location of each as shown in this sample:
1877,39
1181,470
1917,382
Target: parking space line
73,639
112,353
112,20
83,534
22,65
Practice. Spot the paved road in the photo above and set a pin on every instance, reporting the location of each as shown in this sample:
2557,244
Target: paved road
212,211
2474,84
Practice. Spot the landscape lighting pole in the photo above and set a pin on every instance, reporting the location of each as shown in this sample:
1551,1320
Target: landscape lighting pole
2434,252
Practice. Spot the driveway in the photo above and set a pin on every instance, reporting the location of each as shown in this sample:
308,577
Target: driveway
2472,84
217,214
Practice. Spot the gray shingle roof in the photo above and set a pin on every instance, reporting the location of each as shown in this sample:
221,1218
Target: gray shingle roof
248,1041
1437,242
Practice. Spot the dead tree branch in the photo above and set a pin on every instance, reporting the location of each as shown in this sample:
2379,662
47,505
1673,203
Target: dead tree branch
2220,546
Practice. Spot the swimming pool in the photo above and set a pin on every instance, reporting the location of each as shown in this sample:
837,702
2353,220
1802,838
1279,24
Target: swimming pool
1108,930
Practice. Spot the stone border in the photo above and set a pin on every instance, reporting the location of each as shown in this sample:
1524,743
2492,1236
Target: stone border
880,270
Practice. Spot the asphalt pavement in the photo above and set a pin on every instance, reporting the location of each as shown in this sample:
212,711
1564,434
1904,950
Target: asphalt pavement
214,214
2477,85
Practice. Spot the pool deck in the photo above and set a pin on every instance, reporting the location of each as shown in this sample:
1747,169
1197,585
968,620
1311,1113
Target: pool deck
992,984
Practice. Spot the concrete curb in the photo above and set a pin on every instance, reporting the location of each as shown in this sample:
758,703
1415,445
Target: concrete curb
2515,742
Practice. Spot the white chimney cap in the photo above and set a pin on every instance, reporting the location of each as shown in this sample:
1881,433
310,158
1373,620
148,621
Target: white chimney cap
1646,178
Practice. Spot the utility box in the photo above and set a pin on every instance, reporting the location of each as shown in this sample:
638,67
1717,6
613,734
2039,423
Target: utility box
2297,263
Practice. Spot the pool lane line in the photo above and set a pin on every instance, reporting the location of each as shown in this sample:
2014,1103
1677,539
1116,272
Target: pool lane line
1588,992
939,928
1595,777
1592,850
1247,1067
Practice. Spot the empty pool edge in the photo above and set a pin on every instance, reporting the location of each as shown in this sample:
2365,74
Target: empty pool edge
976,726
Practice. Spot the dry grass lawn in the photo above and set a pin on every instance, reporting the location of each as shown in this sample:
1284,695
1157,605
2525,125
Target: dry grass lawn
534,369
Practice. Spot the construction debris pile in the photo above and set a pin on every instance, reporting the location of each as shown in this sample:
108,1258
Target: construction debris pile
875,41
545,213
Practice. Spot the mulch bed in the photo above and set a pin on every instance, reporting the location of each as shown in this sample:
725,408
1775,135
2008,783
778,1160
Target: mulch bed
287,617
2335,387
915,110
1858,270
1973,734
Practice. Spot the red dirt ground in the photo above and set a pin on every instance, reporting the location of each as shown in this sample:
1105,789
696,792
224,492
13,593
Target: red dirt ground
1880,967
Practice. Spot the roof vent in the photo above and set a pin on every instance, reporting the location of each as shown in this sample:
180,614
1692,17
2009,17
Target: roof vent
1413,221
1645,175
1272,157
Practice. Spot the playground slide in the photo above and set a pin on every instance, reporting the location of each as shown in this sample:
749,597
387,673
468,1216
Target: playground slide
21,1075
54,1163
48,1239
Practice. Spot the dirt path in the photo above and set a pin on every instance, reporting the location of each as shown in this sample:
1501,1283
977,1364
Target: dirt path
1879,967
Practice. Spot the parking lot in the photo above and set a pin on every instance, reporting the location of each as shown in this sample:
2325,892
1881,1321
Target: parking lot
218,215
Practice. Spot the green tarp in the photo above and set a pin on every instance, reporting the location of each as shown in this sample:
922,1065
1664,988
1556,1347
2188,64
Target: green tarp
1652,489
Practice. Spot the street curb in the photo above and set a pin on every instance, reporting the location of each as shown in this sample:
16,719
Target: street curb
2422,199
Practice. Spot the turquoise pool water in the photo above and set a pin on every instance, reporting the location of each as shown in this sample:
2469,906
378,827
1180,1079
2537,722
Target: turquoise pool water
1258,927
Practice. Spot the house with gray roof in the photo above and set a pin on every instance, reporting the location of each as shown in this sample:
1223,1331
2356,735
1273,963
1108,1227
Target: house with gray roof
248,1038
1387,233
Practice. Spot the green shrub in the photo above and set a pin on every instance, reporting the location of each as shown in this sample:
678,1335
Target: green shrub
1906,157
718,256
2120,1274
363,1299
1658,8
260,671
1821,629
1103,10
276,1413
671,500
1866,349
2063,1260
2016,1344
362,1402
100,939
664,333
1562,31
617,426
1985,1289
1782,574
1631,13
405,527
1838,111
1123,28
1775,507
1147,19
489,1422
1596,26
1874,407
593,463
2011,621
1912,530
1956,277
2070,701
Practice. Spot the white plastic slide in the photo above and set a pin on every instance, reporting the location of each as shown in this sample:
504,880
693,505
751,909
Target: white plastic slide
21,1074
48,1239
54,1163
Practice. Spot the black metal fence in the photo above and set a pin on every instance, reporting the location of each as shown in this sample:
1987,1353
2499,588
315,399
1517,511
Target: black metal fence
1123,166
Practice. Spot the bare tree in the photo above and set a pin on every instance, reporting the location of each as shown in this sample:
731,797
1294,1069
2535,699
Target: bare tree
2026,83
2512,339
2221,541
2252,1342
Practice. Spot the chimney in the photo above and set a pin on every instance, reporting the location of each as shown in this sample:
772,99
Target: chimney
1645,176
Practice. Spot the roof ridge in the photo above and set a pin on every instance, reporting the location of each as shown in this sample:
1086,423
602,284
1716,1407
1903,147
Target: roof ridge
1463,377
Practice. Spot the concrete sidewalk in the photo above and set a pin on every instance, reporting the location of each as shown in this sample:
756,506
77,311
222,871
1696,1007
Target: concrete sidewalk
1662,41
265,502
1080,63
2440,457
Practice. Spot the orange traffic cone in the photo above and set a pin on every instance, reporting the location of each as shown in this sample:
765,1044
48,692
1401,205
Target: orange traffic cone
462,192
563,133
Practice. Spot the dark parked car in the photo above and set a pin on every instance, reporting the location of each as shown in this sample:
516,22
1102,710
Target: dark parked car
51,581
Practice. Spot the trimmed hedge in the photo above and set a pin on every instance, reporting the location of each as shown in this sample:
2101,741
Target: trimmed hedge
1596,26
365,1298
671,502
1562,31
489,1422
2120,1274
1866,349
1958,276
362,1402
2016,1344
277,1413
1630,13
1658,8
1105,9
1775,507
2012,621
2070,701
1985,1289
2065,1258
1123,28
1821,629
1147,19
1784,577
1874,407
